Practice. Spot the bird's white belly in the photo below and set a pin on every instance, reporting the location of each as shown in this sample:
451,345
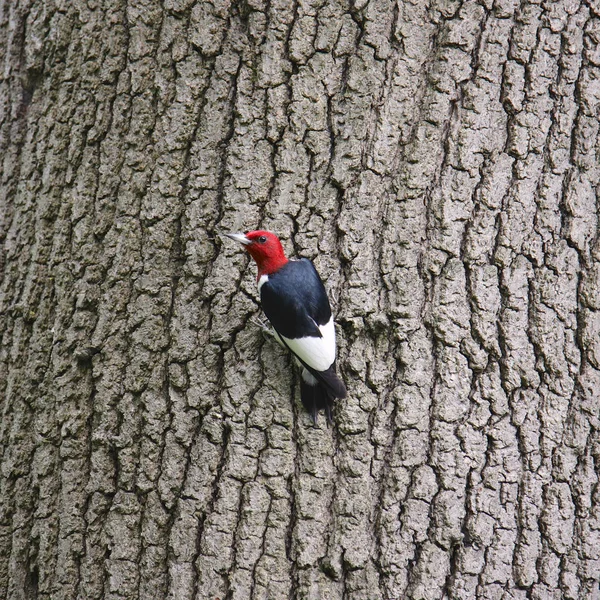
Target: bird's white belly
262,280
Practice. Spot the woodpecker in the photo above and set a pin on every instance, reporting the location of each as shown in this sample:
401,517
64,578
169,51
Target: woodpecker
294,300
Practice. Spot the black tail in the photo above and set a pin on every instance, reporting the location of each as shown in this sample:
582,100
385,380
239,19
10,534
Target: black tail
319,389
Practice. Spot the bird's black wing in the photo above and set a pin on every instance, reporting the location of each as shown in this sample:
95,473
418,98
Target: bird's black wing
295,301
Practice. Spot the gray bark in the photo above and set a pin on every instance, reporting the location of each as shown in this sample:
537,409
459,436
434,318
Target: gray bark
438,161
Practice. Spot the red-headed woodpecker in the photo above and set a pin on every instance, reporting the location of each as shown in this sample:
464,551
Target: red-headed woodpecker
295,301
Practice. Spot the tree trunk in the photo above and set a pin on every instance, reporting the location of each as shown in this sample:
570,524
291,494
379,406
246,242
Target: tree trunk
440,165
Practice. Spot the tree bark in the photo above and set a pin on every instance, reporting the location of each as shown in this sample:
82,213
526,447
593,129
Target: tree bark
438,161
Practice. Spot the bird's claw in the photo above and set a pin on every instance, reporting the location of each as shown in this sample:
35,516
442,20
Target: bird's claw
263,325
267,331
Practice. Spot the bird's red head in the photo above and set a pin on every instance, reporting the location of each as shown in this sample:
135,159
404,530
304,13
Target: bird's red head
265,248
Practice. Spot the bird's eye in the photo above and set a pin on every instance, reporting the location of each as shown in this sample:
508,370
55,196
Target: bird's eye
262,239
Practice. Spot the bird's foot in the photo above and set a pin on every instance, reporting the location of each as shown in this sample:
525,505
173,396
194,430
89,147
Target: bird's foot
267,331
264,326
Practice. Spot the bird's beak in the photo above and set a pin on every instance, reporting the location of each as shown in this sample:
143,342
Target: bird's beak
239,237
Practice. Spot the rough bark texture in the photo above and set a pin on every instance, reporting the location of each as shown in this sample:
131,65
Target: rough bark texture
439,162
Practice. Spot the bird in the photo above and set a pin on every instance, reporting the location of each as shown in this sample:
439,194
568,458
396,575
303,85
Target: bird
295,302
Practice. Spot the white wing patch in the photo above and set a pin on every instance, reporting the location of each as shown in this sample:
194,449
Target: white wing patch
318,353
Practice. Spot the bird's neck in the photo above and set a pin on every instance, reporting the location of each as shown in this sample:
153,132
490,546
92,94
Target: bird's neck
270,265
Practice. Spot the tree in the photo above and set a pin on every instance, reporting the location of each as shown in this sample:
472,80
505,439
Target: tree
439,162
